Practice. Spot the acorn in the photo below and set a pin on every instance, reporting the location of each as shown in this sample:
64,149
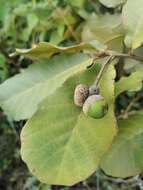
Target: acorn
80,94
95,106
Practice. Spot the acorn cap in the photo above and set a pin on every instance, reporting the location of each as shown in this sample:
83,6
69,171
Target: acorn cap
93,90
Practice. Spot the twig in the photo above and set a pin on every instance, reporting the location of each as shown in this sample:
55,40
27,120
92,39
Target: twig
131,56
106,53
103,69
131,104
123,55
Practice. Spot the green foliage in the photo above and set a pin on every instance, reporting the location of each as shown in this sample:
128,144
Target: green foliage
130,83
127,149
70,43
44,77
69,145
106,29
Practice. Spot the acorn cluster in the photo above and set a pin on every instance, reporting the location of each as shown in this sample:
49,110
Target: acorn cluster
91,102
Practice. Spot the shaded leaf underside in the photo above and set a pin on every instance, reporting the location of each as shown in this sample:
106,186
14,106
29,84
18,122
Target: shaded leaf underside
46,50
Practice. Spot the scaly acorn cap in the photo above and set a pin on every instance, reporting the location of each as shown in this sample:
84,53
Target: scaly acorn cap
80,94
95,106
93,90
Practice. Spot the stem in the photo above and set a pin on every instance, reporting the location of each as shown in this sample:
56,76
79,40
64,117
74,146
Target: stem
102,70
94,88
111,55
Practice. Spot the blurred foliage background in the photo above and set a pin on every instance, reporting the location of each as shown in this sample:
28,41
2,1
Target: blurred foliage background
23,23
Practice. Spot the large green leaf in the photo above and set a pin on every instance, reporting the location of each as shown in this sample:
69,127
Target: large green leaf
112,3
59,143
20,95
133,23
125,158
46,50
131,83
106,29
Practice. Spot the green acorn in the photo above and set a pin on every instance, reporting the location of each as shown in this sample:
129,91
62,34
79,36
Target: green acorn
80,94
95,106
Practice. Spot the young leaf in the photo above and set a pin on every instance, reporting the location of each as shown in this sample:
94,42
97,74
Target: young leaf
59,143
130,65
131,83
133,23
125,158
20,95
111,3
46,50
